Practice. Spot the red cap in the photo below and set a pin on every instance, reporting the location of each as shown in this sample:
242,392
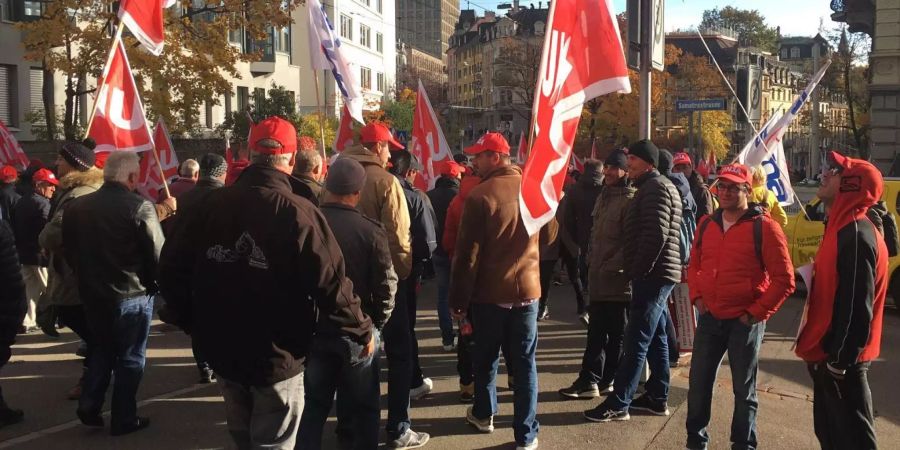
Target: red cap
681,158
378,132
45,176
493,141
100,159
736,173
277,129
8,174
452,169
306,143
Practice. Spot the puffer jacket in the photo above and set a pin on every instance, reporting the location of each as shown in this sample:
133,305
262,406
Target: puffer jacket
62,285
12,295
454,213
653,230
606,266
382,199
726,273
495,260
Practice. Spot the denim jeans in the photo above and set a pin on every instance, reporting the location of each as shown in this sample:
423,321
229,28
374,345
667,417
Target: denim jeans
332,368
494,326
398,350
263,416
645,341
442,273
842,410
712,340
671,338
121,346
603,351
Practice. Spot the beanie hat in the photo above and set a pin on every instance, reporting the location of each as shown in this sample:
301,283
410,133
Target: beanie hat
665,162
646,150
212,166
617,159
78,156
345,176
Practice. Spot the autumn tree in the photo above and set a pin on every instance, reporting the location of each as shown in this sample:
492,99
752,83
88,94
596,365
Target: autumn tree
750,25
73,37
515,70
849,77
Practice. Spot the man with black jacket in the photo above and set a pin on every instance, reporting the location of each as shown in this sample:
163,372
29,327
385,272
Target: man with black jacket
8,194
12,310
681,163
653,263
445,188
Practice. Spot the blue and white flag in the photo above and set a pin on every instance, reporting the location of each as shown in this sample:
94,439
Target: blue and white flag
325,53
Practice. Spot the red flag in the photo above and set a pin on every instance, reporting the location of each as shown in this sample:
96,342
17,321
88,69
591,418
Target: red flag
119,122
523,148
594,151
582,59
428,142
11,153
150,181
344,136
144,18
577,163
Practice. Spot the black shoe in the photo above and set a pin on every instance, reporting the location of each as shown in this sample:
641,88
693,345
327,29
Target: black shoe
139,424
9,416
604,413
207,376
49,329
90,420
645,403
580,389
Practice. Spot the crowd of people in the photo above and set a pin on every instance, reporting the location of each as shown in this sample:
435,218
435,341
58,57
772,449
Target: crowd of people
290,283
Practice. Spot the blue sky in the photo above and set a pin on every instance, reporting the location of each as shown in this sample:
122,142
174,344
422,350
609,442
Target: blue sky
796,17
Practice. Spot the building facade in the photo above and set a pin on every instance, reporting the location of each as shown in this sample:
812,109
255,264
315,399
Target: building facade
427,25
414,65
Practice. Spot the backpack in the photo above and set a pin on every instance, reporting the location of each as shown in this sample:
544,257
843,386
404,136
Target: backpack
887,224
757,237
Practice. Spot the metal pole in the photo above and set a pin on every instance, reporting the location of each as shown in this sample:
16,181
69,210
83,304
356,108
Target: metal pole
321,124
691,135
112,50
814,139
646,77
700,132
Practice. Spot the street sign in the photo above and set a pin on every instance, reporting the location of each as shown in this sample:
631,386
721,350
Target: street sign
658,44
708,104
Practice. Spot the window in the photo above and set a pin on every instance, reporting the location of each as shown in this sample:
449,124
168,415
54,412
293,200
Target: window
379,5
784,53
236,37
202,116
208,112
365,36
32,10
365,77
379,42
380,82
346,27
7,106
5,9
36,84
243,98
795,52
227,104
283,40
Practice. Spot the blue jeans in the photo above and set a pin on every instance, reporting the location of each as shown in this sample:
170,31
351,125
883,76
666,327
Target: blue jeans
515,329
398,350
121,345
332,366
645,341
713,338
442,273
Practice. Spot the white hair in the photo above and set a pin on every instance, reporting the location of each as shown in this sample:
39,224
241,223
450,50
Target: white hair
189,168
265,159
120,165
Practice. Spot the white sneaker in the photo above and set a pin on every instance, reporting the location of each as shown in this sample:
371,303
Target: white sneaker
532,446
483,425
423,390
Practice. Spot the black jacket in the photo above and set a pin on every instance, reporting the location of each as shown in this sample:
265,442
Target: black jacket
653,230
421,225
367,259
12,293
576,221
441,196
248,272
112,242
190,200
8,199
702,196
28,219
314,186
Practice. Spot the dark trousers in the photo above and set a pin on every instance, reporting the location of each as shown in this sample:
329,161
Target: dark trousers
398,350
410,287
547,269
333,367
121,349
74,318
671,336
606,333
842,410
576,269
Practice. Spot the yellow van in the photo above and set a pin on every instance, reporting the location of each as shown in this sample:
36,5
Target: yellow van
805,234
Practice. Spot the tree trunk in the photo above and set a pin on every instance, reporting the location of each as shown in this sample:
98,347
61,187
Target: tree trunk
69,110
49,107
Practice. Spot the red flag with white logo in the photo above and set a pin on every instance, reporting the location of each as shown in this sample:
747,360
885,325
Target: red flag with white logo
145,20
119,122
582,59
150,181
11,153
428,143
344,137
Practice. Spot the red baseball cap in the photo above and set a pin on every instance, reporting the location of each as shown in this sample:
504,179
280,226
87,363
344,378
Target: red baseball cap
681,158
452,169
306,143
378,132
46,176
8,174
278,130
493,141
736,173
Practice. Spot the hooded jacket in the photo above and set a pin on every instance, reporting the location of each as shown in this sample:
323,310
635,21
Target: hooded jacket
653,230
701,194
454,213
445,189
606,267
382,199
576,221
850,280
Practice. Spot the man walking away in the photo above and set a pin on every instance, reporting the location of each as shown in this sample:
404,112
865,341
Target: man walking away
740,242
333,364
842,335
8,195
188,174
496,275
112,240
610,288
12,310
681,163
653,263
309,166
445,188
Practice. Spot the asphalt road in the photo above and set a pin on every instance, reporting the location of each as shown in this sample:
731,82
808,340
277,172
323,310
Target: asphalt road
186,415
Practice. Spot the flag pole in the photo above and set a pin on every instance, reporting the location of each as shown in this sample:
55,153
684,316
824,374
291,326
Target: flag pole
537,89
162,175
112,51
321,123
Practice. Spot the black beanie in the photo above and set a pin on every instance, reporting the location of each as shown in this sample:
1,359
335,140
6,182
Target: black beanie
617,158
78,156
665,162
646,150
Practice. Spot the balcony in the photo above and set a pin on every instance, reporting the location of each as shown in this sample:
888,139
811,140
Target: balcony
859,15
266,63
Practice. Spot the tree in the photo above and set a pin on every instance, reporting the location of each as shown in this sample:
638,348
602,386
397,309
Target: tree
748,23
849,76
714,133
279,102
398,114
72,37
516,70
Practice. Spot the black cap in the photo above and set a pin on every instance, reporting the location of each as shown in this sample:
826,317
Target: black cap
78,156
346,176
617,158
646,150
212,166
665,162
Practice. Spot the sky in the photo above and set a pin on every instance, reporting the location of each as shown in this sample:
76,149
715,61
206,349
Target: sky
796,17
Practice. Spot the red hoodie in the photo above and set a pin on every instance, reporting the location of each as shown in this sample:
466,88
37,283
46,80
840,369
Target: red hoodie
846,302
454,213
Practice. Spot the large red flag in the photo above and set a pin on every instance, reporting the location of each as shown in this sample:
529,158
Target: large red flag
150,181
11,153
145,20
119,122
428,142
582,59
344,136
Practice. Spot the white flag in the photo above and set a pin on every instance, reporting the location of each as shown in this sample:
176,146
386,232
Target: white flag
778,178
755,151
325,53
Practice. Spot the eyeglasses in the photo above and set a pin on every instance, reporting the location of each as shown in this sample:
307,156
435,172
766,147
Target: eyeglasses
730,188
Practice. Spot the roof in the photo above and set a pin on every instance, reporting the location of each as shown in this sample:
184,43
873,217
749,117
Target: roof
527,17
802,40
724,49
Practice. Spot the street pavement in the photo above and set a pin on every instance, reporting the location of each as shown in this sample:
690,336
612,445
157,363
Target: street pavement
186,415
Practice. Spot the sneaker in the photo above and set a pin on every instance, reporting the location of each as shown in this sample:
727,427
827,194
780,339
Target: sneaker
139,424
532,446
423,389
645,403
88,419
580,389
584,318
410,439
543,314
467,393
603,413
483,425
207,376
9,416
451,347
604,388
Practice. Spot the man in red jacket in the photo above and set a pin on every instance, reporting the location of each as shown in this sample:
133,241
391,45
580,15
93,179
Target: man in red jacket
842,332
739,274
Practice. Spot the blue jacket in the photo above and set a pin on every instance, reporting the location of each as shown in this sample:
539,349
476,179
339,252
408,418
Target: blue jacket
421,216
